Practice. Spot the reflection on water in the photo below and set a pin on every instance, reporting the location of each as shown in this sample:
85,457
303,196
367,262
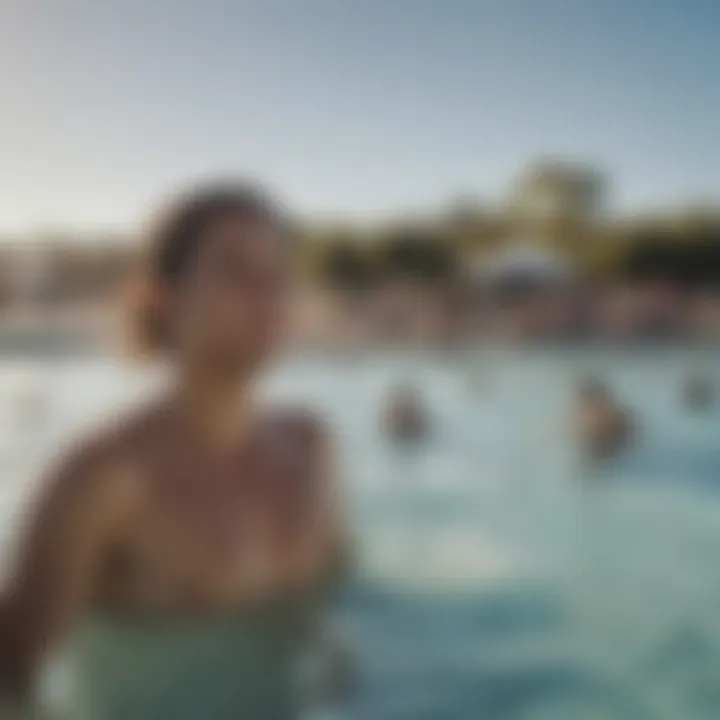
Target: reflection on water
497,580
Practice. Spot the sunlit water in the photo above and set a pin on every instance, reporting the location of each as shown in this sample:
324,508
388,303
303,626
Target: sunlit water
498,580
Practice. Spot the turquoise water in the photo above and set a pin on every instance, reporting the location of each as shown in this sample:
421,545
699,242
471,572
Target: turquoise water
498,581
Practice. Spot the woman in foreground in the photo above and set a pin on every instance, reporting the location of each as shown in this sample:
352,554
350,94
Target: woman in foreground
184,553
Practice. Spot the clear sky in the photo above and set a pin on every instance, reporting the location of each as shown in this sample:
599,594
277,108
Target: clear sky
349,106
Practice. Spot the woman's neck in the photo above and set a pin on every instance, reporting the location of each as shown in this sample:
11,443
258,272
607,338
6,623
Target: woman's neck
216,407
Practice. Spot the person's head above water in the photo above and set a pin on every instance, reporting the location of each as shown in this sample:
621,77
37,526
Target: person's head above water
593,390
213,286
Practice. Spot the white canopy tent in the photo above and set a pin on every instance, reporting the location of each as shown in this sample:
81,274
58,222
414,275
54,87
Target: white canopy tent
524,262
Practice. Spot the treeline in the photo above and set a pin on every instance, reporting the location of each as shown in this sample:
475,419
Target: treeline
354,263
688,256
688,260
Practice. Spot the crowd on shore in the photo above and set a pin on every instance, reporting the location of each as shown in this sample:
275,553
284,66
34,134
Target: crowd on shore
416,314
558,314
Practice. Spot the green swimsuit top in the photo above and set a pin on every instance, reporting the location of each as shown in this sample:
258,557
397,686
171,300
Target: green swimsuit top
206,667
216,666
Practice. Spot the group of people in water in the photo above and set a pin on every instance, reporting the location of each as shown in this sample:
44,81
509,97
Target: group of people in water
606,428
603,427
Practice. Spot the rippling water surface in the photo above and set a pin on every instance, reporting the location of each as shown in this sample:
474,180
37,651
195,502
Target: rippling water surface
499,581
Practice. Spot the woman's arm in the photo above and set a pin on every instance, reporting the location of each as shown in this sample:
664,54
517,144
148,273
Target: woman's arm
76,517
336,657
332,518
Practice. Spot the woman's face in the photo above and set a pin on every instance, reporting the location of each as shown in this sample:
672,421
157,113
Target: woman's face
230,304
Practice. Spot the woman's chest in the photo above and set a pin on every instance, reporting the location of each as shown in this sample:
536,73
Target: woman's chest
220,529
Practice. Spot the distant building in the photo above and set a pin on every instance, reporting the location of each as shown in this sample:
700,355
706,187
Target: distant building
53,271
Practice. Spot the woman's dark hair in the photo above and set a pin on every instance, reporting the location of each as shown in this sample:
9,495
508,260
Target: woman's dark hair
173,243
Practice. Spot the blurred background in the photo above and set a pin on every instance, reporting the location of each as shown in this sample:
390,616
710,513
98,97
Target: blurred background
508,304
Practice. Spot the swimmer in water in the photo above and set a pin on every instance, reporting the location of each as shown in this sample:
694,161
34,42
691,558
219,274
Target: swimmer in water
698,392
405,417
185,553
603,427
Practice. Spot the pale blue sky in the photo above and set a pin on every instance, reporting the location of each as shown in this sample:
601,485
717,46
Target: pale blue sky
349,106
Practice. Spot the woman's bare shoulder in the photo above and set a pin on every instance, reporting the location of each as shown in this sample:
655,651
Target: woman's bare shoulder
106,461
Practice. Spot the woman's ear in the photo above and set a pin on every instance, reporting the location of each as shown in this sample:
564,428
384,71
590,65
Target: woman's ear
148,329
